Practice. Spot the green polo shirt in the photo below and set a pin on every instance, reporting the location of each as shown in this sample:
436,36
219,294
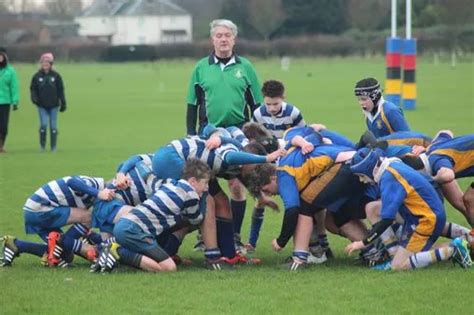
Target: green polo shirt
224,89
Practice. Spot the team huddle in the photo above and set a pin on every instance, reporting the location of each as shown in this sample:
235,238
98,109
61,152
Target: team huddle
393,178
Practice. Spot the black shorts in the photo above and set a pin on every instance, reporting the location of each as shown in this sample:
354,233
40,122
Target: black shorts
337,189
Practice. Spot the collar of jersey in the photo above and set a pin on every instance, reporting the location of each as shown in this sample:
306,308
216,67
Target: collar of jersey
371,117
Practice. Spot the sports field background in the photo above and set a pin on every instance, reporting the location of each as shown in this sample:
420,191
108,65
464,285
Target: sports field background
117,110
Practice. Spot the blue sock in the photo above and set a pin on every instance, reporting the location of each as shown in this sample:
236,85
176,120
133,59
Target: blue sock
256,226
301,255
212,253
94,237
71,239
225,237
31,248
172,244
238,213
128,257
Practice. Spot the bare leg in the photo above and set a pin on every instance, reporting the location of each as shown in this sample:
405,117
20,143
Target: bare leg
151,265
237,190
354,230
468,200
208,227
372,211
222,206
79,215
303,232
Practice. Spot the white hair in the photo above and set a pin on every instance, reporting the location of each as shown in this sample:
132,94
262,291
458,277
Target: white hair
225,23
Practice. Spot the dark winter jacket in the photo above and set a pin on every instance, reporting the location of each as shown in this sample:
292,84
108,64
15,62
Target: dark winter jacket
47,89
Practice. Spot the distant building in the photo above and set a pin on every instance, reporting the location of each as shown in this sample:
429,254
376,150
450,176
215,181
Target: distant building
35,29
135,22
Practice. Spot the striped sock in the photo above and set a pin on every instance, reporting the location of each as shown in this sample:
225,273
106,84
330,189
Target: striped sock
301,255
212,253
71,239
423,259
456,230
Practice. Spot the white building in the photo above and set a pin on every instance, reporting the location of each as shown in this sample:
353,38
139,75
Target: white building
135,22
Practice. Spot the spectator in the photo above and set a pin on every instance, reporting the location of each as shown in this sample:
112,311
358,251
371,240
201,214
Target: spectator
47,93
9,95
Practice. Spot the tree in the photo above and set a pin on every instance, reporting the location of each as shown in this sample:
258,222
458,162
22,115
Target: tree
314,17
64,8
368,15
266,16
455,14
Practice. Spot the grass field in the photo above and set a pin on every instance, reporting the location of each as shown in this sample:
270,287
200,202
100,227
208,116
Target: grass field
116,110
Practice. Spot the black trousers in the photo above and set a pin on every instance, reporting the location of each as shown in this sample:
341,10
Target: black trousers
4,116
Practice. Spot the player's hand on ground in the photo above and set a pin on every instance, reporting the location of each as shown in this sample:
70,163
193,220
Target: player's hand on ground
122,181
265,201
106,194
275,245
354,246
307,148
272,157
418,149
213,142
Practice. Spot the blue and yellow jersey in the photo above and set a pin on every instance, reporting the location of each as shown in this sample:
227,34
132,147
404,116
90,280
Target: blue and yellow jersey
388,119
295,170
407,192
337,138
455,153
308,133
409,138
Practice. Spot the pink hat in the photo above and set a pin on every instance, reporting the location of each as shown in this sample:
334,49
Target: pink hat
47,57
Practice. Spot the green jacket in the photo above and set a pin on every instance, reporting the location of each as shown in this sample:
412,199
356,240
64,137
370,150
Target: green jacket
9,91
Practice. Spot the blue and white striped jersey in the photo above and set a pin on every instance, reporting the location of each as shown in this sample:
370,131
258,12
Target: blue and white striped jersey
289,117
195,147
143,184
237,134
69,191
164,209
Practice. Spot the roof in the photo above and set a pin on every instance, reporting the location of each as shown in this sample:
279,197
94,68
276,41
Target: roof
133,7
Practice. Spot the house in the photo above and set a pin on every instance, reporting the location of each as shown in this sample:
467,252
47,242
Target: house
135,22
36,29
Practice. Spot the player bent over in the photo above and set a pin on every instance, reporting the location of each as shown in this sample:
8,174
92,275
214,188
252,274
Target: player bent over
58,203
137,232
408,193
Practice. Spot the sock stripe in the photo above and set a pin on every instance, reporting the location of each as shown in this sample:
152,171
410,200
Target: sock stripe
82,229
412,263
437,254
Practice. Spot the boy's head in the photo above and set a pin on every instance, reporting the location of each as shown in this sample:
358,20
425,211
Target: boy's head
46,61
253,131
262,180
197,173
365,164
273,94
368,94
